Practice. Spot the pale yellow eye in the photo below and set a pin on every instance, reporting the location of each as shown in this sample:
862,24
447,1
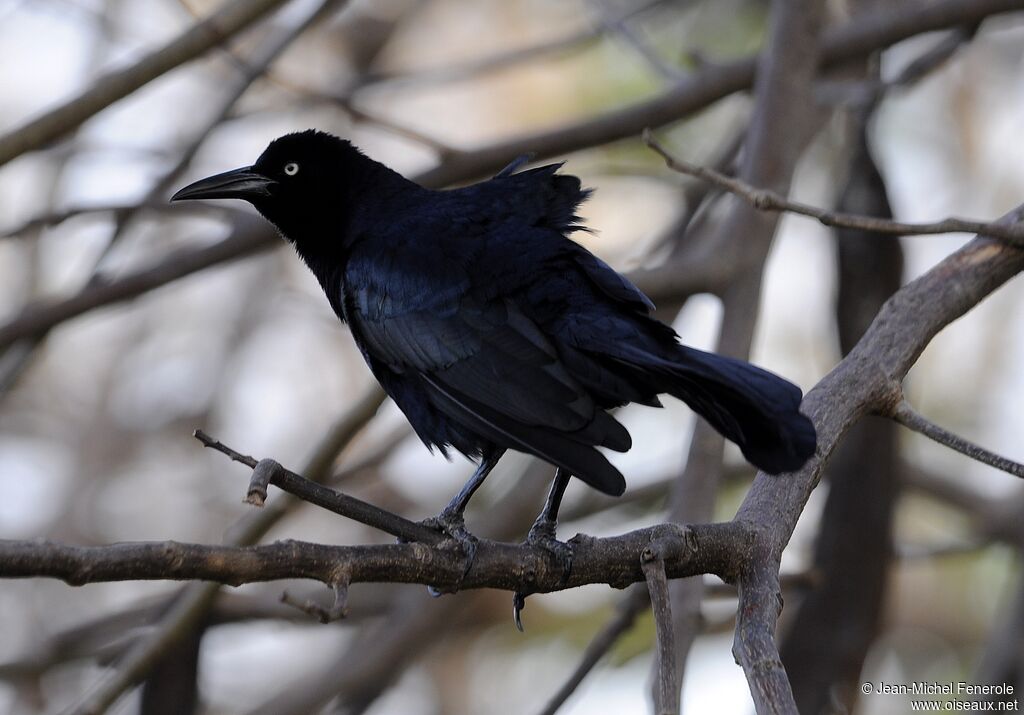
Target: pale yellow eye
291,168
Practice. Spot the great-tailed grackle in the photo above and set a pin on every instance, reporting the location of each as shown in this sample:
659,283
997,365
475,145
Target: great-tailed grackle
489,327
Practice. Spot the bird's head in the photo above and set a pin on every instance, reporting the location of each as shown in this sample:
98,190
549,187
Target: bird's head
300,181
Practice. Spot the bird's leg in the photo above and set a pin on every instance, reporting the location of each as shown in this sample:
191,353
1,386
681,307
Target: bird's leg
542,535
543,529
451,520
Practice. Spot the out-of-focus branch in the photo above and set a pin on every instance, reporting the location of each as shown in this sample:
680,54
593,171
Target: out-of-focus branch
255,67
864,95
507,59
231,19
874,31
635,602
250,234
621,28
766,200
62,215
712,83
907,416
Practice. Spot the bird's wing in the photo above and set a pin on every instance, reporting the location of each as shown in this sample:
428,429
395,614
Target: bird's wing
610,282
487,365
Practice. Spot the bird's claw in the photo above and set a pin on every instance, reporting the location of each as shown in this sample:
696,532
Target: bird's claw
542,536
453,526
518,604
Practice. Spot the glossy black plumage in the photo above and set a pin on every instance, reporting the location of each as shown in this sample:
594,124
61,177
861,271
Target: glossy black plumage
487,325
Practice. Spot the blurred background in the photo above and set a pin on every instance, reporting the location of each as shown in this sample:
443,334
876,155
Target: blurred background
98,403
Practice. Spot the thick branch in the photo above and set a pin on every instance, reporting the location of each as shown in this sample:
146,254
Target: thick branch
708,548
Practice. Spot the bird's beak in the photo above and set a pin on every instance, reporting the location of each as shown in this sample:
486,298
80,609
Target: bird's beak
244,183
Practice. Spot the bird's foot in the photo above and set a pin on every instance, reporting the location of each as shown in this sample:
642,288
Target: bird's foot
542,536
453,526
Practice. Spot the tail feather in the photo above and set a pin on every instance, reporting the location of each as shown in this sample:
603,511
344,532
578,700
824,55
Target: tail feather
754,408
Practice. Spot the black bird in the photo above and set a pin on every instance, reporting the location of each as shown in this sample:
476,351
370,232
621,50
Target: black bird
489,327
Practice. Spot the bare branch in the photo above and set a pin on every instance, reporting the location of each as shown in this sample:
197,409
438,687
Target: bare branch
620,27
61,215
249,236
510,58
911,419
754,643
268,471
708,548
766,200
652,560
337,610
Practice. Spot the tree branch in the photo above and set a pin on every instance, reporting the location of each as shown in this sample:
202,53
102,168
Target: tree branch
616,561
250,235
268,471
868,381
874,31
652,561
911,419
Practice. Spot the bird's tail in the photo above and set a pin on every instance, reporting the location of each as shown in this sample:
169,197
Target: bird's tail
754,408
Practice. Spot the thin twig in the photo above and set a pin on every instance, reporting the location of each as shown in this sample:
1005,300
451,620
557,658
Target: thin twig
337,610
911,419
270,472
620,27
767,200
